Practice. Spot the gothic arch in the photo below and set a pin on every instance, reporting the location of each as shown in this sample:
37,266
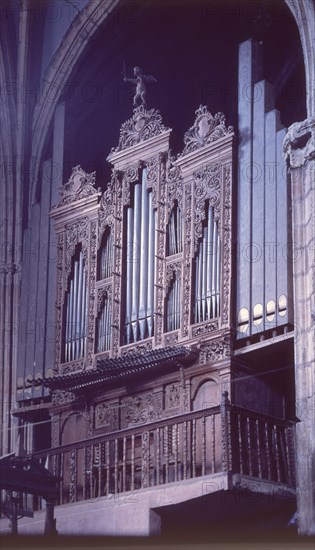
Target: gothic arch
73,44
303,12
86,25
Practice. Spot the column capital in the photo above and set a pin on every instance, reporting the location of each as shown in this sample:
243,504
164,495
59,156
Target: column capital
299,143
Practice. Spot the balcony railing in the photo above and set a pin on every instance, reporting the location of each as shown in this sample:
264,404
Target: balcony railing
224,438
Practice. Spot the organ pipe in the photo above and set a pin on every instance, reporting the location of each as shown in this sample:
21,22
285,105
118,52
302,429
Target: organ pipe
140,266
173,305
174,231
207,271
104,327
143,258
75,314
106,256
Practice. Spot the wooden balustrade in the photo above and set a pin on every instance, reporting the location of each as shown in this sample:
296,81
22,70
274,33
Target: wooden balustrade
225,438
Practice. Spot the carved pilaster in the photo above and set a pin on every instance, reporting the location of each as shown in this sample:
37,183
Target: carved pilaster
160,255
226,243
187,261
208,186
59,300
299,148
91,286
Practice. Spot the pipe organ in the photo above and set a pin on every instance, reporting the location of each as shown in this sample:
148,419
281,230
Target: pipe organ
75,310
207,271
148,262
264,256
140,263
173,304
106,255
104,324
175,231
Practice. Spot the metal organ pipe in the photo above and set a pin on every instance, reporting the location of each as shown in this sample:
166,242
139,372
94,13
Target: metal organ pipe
151,261
136,261
75,316
129,274
209,258
143,283
140,265
208,271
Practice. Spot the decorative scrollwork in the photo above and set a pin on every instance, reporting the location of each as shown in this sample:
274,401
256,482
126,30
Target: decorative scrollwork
131,174
61,397
174,181
226,245
79,186
299,142
171,269
134,349
206,129
204,329
137,410
75,366
215,350
76,232
102,293
207,187
108,204
152,178
140,127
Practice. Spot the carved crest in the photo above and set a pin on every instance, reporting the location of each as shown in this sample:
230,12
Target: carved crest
79,186
142,126
206,128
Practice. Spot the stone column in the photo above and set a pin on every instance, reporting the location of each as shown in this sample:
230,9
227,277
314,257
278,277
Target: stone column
299,147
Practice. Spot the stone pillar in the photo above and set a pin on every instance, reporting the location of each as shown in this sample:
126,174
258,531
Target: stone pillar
299,147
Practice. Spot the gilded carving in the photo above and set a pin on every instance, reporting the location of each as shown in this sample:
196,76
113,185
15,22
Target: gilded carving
171,339
215,350
76,232
206,328
172,395
107,206
207,187
131,173
79,186
187,261
143,125
226,230
171,269
61,397
103,292
174,181
137,410
74,366
59,300
134,349
206,129
91,301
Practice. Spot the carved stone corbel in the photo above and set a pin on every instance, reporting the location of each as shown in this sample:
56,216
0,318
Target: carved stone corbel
299,143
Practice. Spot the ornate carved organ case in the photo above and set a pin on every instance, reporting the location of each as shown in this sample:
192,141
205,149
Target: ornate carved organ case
146,267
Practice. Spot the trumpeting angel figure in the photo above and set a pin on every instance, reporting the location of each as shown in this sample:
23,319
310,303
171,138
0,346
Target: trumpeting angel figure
139,81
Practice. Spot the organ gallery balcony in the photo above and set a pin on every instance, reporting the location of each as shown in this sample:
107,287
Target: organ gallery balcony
249,450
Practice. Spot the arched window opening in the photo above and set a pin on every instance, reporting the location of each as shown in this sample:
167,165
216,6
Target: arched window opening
140,263
173,305
103,326
207,271
174,243
105,256
75,309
